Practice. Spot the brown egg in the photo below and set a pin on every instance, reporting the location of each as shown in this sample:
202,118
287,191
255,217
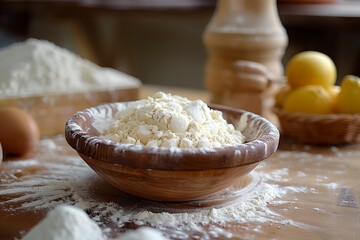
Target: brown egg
19,133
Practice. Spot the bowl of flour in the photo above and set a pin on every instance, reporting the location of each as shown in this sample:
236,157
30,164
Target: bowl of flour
169,148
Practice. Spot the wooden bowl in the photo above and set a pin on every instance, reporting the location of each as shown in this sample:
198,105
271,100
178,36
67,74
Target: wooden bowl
170,174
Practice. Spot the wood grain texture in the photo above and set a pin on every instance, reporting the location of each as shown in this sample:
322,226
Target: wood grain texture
169,186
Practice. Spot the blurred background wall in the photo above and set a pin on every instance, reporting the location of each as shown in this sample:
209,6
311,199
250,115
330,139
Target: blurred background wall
160,42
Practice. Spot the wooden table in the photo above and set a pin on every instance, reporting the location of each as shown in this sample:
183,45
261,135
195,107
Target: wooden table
320,190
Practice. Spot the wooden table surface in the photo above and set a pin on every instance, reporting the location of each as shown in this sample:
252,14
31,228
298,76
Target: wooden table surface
320,190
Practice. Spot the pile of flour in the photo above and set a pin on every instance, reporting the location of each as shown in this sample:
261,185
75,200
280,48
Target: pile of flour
65,222
72,223
165,120
142,233
36,66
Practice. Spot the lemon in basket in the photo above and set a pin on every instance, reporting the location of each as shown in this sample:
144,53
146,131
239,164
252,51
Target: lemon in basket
348,100
334,91
310,68
281,95
309,99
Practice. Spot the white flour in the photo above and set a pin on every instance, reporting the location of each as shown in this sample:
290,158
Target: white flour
37,66
65,222
71,223
142,233
165,120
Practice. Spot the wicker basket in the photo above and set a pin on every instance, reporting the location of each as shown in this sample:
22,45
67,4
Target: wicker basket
329,129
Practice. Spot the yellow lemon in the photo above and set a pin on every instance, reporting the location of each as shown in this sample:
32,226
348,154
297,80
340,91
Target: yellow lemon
281,95
349,96
309,99
334,91
310,68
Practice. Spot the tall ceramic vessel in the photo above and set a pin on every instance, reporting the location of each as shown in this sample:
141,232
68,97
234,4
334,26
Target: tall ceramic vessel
245,41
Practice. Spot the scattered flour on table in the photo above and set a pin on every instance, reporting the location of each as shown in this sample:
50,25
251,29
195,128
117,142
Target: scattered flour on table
37,66
142,233
170,121
68,184
71,182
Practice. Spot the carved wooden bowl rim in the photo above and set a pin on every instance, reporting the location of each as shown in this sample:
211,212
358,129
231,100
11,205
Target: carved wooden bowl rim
262,139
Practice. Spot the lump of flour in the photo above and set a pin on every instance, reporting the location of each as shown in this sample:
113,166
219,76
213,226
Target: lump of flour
38,66
142,233
165,120
65,222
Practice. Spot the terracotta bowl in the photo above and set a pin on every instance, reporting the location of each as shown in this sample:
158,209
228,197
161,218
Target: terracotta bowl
174,174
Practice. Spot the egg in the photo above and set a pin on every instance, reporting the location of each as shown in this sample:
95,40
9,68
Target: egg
19,132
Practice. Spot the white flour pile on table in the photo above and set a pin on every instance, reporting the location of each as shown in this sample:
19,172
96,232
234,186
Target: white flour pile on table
142,233
165,120
65,222
71,223
37,66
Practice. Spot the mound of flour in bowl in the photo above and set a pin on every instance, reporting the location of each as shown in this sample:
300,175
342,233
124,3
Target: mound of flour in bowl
38,66
165,120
